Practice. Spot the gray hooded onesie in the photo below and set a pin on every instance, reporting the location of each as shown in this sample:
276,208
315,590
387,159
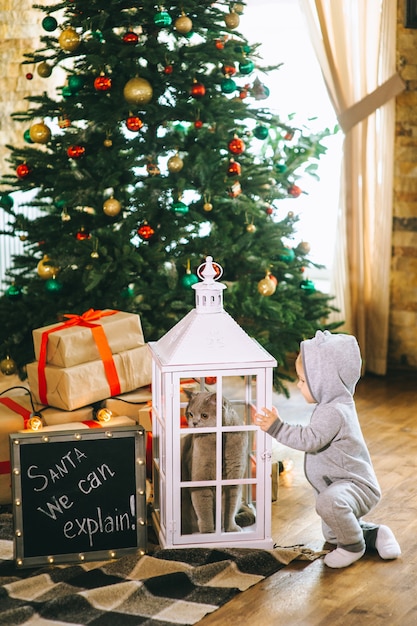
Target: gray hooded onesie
337,461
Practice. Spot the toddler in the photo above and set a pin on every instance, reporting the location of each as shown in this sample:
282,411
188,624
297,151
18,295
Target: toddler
337,461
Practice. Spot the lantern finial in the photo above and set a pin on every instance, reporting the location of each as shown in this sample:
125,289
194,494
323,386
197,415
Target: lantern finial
209,296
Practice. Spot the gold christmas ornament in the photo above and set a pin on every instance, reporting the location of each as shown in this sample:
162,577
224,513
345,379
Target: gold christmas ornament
207,206
8,366
44,69
107,143
69,40
112,207
45,268
232,19
267,286
40,133
175,164
251,228
183,25
303,247
138,91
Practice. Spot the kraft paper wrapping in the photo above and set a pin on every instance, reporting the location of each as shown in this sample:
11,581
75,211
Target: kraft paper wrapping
74,426
73,387
129,403
75,344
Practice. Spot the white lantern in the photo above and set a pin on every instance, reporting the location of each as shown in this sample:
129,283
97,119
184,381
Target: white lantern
211,462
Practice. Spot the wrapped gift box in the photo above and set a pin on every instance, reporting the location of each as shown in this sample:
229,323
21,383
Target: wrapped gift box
73,387
74,342
129,403
145,416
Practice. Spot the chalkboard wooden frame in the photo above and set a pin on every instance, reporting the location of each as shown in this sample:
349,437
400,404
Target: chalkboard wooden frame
78,495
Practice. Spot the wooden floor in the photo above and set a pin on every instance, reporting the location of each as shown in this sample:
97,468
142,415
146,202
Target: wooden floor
371,591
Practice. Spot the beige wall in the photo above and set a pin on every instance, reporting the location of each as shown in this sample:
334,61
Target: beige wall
403,317
20,30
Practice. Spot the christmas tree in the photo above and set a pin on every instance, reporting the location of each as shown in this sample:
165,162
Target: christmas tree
156,151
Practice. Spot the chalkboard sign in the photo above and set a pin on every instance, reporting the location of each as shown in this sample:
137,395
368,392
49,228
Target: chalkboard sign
78,495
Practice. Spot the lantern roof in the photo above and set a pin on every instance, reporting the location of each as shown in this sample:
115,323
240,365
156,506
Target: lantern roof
208,335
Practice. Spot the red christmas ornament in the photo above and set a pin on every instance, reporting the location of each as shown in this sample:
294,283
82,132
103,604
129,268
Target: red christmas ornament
168,69
234,168
269,210
130,37
102,83
75,152
198,124
134,123
294,191
219,44
198,90
23,170
29,76
289,135
229,70
145,231
82,234
236,145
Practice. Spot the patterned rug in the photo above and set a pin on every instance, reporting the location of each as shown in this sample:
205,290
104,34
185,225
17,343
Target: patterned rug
162,588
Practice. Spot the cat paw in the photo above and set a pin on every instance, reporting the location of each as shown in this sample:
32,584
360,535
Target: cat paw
234,529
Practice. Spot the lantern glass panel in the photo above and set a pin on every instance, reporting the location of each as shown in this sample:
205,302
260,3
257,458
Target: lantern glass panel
217,450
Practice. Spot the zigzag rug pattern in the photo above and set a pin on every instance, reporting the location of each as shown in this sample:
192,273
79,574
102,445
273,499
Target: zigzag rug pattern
162,588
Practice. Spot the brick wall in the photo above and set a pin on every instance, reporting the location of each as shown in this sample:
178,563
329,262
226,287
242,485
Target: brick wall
402,351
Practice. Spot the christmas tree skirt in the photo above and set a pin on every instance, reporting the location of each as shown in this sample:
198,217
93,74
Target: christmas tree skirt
163,587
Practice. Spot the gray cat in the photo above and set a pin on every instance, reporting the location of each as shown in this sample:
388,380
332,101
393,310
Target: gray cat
198,462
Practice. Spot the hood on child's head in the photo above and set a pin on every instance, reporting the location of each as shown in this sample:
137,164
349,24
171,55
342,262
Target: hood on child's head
332,365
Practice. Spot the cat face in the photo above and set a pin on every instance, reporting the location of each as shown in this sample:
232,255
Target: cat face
201,409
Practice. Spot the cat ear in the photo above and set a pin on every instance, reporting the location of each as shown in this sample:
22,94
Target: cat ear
189,393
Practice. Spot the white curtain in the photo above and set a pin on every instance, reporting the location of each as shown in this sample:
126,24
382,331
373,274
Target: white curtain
355,44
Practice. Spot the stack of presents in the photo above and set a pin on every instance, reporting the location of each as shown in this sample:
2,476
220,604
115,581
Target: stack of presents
95,361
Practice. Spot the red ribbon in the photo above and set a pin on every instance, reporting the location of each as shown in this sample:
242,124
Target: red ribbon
17,408
5,466
99,336
92,424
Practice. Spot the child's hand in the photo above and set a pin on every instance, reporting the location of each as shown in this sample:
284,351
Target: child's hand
266,419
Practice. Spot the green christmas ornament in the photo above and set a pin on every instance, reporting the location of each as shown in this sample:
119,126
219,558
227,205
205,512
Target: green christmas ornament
287,255
6,201
246,67
308,286
228,85
14,292
26,136
280,168
260,132
180,208
162,18
127,292
49,23
189,279
67,92
53,285
75,83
